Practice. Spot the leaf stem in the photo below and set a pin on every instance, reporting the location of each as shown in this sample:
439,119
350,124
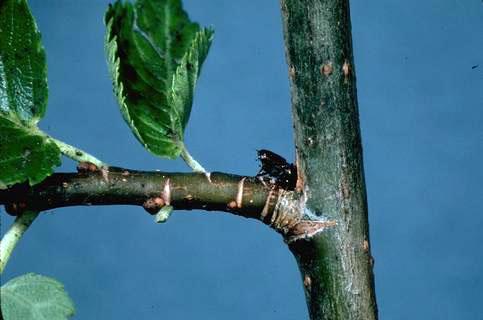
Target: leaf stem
190,161
77,154
13,235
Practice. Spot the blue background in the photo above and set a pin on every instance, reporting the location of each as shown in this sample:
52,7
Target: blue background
421,108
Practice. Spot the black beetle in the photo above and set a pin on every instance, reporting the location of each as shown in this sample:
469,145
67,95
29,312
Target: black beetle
276,170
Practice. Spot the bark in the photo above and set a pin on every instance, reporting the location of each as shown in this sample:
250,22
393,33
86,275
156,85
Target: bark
335,263
248,197
218,191
324,221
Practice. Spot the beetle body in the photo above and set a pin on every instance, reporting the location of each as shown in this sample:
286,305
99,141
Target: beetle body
276,171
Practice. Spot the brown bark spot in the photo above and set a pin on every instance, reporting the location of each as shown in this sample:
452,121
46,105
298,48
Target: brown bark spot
153,205
15,208
345,188
299,185
326,69
85,167
306,229
159,201
344,181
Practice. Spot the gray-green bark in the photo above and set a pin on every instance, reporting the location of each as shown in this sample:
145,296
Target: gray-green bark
335,263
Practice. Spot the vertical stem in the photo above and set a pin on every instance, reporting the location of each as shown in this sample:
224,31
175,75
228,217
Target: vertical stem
336,264
13,235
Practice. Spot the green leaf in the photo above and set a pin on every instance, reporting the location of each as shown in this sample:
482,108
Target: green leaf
25,152
33,297
155,54
23,71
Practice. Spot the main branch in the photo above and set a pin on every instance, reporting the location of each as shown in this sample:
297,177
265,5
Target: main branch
336,265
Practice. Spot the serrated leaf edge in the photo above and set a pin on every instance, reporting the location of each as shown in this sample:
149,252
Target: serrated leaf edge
114,62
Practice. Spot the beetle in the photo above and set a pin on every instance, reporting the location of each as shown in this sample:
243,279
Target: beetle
276,171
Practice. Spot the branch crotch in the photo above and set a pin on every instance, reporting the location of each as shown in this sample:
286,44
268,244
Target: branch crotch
291,218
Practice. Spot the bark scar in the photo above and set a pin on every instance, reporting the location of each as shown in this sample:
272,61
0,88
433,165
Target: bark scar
239,194
346,70
266,206
290,218
299,185
307,282
105,174
166,195
326,69
208,176
307,229
153,205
